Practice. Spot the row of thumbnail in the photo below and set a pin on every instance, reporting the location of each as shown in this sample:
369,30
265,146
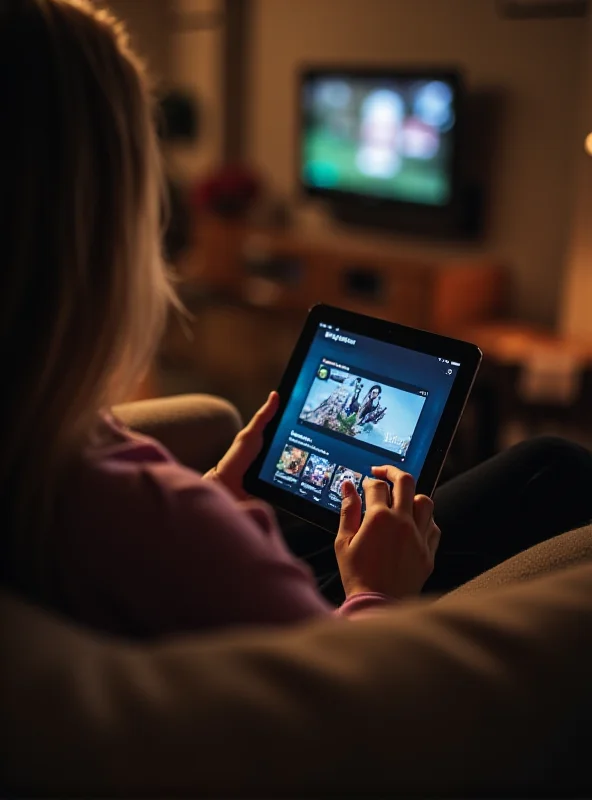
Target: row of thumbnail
314,470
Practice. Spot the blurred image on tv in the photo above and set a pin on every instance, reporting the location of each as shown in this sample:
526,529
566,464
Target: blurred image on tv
383,137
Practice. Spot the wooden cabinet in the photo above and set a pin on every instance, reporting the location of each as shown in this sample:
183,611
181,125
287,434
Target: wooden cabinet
287,270
255,287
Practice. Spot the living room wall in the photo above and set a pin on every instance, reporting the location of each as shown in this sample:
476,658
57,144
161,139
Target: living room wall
148,24
536,65
183,54
577,319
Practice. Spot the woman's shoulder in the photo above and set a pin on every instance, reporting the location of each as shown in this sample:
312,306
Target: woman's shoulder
139,539
123,476
115,443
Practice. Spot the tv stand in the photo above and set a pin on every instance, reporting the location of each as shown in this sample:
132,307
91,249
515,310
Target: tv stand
288,271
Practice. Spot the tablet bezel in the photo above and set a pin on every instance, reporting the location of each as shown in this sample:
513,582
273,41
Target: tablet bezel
468,355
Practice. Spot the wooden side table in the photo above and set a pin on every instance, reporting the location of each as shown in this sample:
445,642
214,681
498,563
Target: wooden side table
533,376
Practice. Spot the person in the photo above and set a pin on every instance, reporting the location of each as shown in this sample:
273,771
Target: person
368,411
103,524
353,401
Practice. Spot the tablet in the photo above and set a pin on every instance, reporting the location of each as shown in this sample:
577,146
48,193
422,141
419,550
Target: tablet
360,392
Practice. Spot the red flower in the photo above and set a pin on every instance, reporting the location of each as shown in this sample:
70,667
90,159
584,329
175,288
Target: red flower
229,190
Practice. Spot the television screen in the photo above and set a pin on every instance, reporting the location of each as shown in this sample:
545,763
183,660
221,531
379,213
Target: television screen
388,135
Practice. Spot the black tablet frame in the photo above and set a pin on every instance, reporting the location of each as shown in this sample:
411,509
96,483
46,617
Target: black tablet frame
468,355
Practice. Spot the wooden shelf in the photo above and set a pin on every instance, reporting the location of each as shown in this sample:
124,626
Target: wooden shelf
286,270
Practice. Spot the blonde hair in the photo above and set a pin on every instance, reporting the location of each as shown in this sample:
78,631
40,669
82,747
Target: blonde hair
83,288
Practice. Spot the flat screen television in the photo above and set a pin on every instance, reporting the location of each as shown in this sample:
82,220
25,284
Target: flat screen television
385,139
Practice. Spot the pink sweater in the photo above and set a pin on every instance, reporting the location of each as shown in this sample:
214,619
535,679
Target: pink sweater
144,546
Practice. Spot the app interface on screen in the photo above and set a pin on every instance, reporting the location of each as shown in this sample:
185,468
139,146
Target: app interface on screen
357,403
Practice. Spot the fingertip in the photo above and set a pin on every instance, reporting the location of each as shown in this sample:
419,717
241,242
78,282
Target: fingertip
423,504
273,399
348,489
271,404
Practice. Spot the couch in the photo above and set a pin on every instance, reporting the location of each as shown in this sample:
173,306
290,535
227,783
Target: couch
485,691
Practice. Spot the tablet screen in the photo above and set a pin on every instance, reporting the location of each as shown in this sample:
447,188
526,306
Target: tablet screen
357,403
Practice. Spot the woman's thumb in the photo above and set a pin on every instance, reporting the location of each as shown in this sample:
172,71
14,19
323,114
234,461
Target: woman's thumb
351,511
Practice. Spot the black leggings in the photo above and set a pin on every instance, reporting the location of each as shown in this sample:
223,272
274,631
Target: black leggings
539,488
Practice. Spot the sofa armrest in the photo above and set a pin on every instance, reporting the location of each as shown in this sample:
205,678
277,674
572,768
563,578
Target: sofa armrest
482,695
197,428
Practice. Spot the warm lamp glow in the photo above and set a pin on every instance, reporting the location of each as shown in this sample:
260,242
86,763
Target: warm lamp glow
588,144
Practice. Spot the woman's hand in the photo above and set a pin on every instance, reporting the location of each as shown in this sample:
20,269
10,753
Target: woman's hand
247,444
392,551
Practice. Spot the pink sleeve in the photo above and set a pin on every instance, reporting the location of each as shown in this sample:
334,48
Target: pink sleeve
214,562
364,604
166,551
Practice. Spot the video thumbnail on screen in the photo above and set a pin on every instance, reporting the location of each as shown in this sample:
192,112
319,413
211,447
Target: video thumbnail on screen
362,408
318,471
292,461
343,474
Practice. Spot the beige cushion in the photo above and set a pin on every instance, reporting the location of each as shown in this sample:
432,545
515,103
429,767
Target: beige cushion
556,553
488,693
197,428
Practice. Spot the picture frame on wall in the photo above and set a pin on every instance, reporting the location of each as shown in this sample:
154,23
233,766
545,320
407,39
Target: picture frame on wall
542,9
